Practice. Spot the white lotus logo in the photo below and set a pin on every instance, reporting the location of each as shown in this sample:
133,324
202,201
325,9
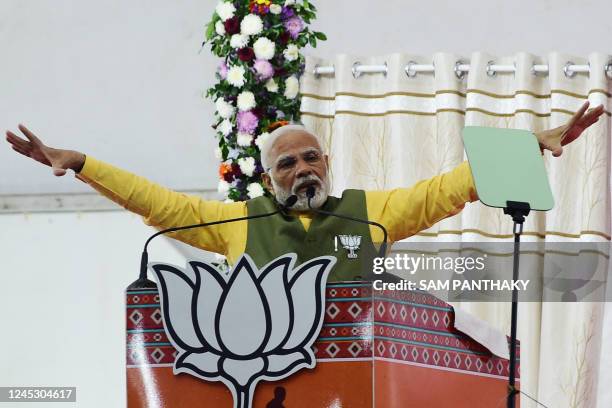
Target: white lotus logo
254,325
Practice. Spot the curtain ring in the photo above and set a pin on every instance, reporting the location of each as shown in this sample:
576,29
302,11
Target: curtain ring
536,73
410,72
569,73
315,73
490,72
356,65
459,73
608,69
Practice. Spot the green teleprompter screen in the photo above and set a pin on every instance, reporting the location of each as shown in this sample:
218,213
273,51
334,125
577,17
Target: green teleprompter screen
507,166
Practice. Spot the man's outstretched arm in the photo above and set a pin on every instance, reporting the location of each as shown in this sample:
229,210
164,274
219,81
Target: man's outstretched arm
406,211
159,206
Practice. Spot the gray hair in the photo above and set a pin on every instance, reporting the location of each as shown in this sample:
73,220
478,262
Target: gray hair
274,135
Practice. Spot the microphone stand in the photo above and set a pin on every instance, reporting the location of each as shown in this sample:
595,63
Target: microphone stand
143,282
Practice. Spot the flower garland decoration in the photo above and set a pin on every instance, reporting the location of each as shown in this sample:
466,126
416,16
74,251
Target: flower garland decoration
258,82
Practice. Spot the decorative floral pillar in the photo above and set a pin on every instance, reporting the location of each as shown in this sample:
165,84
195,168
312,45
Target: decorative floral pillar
258,82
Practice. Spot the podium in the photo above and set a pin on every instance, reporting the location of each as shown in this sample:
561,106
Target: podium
375,349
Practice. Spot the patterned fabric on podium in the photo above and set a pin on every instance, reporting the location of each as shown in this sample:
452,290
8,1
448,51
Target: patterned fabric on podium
376,349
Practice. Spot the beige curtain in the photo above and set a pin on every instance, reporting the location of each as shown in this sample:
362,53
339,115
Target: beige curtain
385,131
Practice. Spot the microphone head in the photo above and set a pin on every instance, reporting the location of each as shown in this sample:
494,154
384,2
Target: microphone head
310,191
290,202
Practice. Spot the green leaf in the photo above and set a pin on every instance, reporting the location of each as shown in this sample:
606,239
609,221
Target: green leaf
210,31
313,41
302,41
320,35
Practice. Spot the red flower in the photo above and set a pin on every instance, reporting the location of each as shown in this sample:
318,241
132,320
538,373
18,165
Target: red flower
236,170
246,54
284,38
259,7
259,112
280,71
225,172
232,25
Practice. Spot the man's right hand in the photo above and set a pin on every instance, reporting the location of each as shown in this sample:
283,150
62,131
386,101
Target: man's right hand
60,160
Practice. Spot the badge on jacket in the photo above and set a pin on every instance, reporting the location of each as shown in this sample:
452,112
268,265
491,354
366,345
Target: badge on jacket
350,243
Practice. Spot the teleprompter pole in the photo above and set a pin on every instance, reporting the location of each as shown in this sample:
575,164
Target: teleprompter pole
518,211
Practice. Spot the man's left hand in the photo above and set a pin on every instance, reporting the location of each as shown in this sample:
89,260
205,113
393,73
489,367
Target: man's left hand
555,139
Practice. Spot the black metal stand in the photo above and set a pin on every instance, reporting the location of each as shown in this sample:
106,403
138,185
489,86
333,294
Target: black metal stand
518,211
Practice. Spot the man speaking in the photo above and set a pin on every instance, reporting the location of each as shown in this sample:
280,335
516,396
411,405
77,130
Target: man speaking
294,164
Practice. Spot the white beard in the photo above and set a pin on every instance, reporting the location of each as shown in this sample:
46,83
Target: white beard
301,204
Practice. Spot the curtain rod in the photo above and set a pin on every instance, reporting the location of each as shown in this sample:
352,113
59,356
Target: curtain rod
461,68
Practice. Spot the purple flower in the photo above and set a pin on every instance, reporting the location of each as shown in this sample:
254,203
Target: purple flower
240,185
294,26
247,122
287,12
264,69
222,70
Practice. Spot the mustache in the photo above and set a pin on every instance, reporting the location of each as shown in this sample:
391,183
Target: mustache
306,181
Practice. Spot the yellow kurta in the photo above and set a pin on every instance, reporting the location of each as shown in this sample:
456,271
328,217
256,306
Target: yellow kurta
403,211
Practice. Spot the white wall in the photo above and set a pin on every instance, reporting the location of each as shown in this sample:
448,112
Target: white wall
120,80
499,27
62,285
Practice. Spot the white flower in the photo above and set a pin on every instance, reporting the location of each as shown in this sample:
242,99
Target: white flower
228,201
225,10
247,165
223,187
224,108
246,101
289,2
255,190
271,85
235,76
220,28
225,127
251,25
292,87
244,139
264,48
291,52
275,8
239,41
218,154
261,139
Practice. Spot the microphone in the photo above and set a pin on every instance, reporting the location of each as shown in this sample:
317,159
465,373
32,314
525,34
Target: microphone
144,282
310,192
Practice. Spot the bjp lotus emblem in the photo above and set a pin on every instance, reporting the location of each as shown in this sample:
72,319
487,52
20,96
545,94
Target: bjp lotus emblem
255,324
351,243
